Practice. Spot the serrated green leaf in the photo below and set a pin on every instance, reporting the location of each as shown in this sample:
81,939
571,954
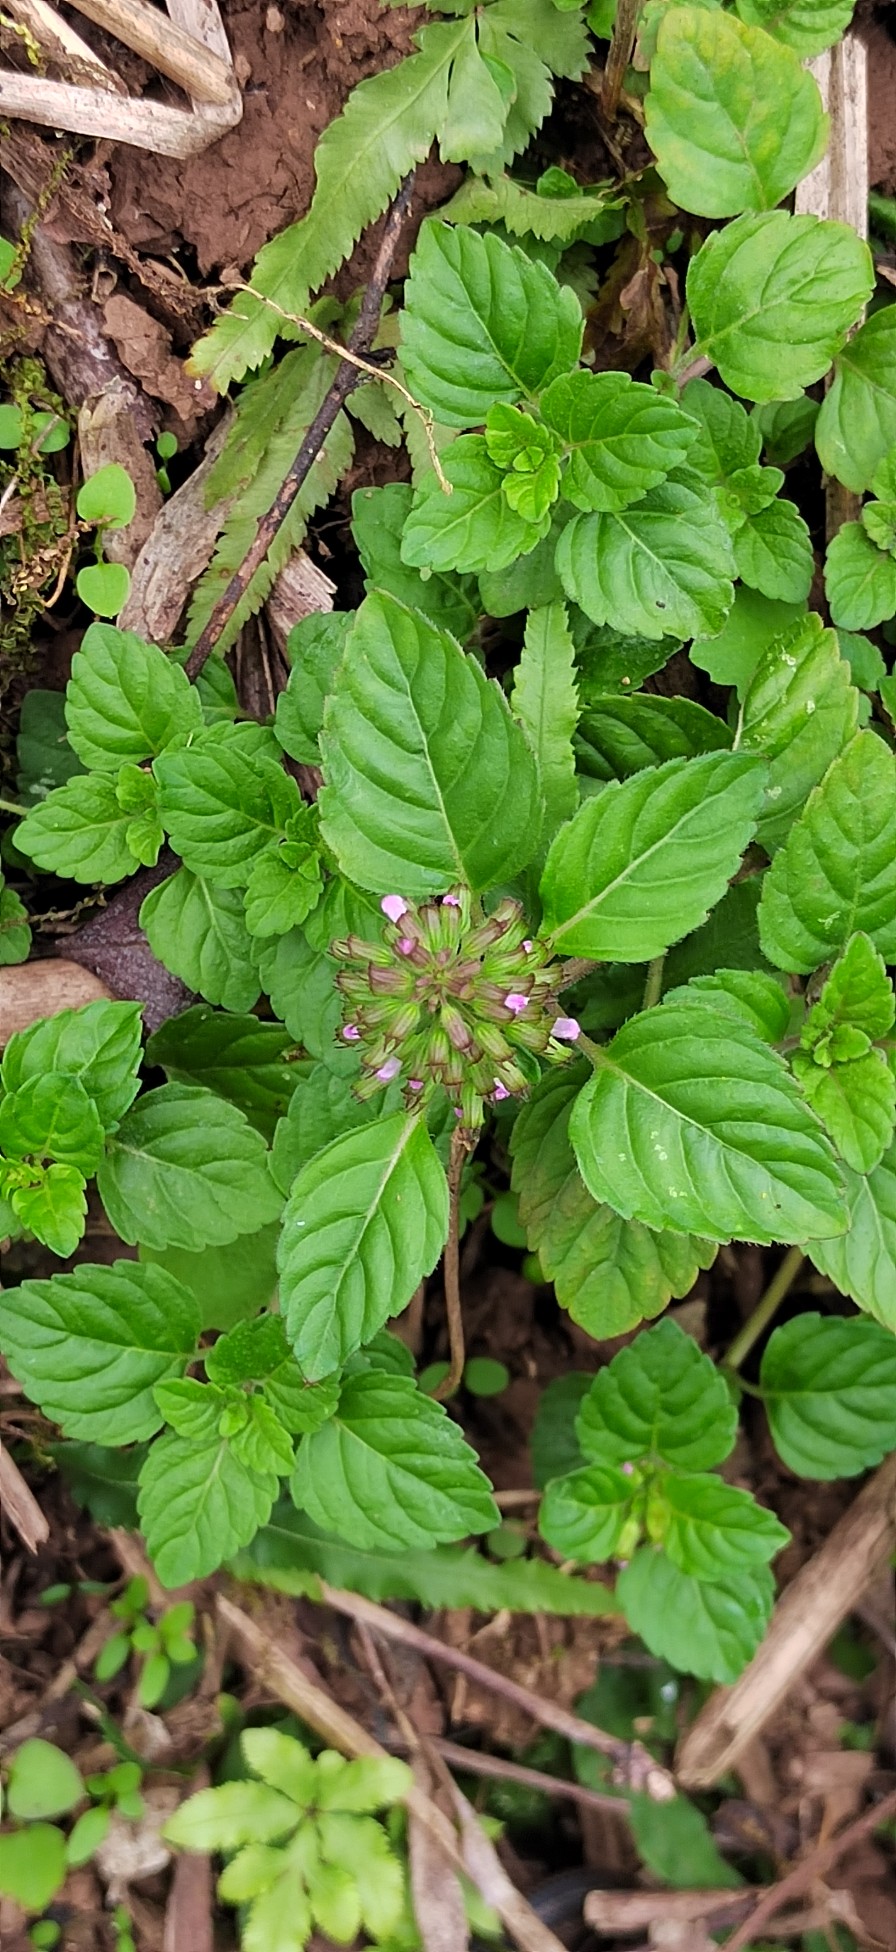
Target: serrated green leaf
829,1388
553,1444
290,1553
15,933
322,1107
229,1282
428,779
678,1088
233,1814
675,1842
315,647
284,885
772,297
747,995
710,1529
837,871
482,322
282,1763
545,701
125,699
608,1272
584,1516
222,803
862,1263
45,758
52,1117
733,119
859,579
198,930
120,1329
857,422
753,621
198,1505
773,552
98,1044
53,1207
391,1469
623,438
262,1444
594,213
365,1223
856,1103
661,568
710,1628
186,1169
534,46
473,526
799,710
238,1057
620,736
858,993
809,26
661,1399
379,517
644,861
79,831
786,427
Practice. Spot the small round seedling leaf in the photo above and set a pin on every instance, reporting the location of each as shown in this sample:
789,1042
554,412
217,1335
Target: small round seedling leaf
32,1865
103,587
42,1781
108,497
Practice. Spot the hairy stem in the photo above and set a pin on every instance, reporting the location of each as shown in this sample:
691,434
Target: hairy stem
653,988
347,376
460,1146
782,1280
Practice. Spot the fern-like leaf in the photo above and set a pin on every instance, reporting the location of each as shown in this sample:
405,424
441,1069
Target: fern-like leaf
272,416
388,125
293,1556
595,215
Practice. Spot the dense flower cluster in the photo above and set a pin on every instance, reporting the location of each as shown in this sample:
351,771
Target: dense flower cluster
453,997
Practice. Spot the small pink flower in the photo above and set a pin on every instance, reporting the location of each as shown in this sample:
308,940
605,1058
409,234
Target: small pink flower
567,1029
415,1084
406,945
528,945
501,1091
450,901
457,1112
627,1470
351,1033
394,906
389,1070
516,1002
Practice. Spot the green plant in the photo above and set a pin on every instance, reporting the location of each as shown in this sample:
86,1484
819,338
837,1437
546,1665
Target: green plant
108,499
305,1848
635,946
159,1644
36,1855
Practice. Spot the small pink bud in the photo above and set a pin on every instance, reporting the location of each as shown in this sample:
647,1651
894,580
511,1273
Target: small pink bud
516,1002
450,901
351,1033
528,945
389,1070
457,1112
415,1084
406,945
394,906
627,1470
501,1091
567,1029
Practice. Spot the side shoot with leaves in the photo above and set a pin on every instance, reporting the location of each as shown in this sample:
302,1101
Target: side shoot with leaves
642,942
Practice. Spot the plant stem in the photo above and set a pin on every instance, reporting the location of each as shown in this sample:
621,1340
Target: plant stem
348,375
591,1050
782,1280
653,988
11,806
575,971
619,56
460,1146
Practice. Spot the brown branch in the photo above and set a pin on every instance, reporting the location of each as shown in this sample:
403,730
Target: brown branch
346,378
496,1768
461,1144
620,54
819,1860
635,1767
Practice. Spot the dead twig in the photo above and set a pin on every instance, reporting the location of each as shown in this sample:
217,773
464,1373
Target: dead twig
19,1504
634,1765
819,1861
461,1144
495,1768
345,379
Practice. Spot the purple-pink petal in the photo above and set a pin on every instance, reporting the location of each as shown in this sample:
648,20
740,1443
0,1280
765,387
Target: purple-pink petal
528,945
394,906
567,1029
351,1033
501,1091
406,945
415,1084
450,901
516,1002
389,1070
